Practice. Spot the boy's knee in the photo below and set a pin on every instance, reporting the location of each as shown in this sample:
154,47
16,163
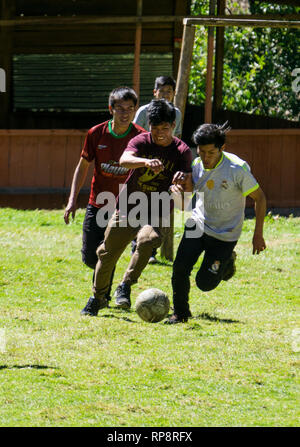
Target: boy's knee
147,236
100,250
205,283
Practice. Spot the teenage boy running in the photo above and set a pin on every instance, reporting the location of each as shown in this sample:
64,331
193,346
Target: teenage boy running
156,160
164,88
225,180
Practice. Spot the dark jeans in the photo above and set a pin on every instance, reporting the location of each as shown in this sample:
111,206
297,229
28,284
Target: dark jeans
92,237
215,264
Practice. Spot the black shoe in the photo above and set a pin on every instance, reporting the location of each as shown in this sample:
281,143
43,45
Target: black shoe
122,295
93,306
230,268
174,319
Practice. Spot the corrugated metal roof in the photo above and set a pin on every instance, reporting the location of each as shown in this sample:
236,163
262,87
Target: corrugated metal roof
81,82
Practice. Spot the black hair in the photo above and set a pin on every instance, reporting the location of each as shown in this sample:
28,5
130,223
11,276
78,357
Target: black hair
122,93
211,134
161,111
164,80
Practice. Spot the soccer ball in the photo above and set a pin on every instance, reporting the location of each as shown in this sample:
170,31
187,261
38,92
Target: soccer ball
152,305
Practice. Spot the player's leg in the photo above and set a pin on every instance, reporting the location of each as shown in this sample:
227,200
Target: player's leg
218,255
152,259
133,246
187,255
147,239
230,267
92,237
115,241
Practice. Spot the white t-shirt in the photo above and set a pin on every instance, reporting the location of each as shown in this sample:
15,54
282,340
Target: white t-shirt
225,189
142,120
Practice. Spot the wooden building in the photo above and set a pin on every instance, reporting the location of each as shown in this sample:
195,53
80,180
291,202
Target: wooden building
61,59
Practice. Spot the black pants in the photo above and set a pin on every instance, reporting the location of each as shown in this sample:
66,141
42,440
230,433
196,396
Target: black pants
215,264
92,237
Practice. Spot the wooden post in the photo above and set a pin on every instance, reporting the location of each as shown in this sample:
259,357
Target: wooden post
209,67
167,248
179,10
184,68
218,85
182,85
137,49
6,11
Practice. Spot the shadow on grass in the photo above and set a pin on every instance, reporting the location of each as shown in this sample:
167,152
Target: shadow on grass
162,264
206,316
118,317
27,366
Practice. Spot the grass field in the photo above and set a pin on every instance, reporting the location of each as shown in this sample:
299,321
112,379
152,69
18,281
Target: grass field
235,363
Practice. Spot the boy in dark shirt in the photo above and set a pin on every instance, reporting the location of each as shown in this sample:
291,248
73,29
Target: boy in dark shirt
157,161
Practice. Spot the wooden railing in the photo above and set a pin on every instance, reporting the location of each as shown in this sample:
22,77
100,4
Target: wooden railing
274,157
36,166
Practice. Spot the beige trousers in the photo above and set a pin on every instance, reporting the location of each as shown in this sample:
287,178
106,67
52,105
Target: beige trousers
116,239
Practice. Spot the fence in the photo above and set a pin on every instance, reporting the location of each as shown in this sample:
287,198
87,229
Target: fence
36,166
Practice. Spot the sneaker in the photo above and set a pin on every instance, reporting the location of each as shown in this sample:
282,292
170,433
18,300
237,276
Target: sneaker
152,260
174,319
93,306
122,295
231,268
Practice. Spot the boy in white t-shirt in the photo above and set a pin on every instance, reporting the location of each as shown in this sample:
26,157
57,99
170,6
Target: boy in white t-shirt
164,88
225,180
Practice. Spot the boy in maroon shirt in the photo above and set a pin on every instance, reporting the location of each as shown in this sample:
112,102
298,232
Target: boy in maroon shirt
157,161
104,144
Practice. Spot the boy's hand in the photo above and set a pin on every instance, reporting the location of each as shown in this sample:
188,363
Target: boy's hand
70,209
258,243
155,165
179,178
176,189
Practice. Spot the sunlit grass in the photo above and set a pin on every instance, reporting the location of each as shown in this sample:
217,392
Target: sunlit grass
233,364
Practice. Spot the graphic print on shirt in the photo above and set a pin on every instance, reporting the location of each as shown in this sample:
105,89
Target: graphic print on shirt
149,180
113,169
224,184
148,176
210,184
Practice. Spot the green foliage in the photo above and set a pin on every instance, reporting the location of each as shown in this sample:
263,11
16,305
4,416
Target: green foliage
258,64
